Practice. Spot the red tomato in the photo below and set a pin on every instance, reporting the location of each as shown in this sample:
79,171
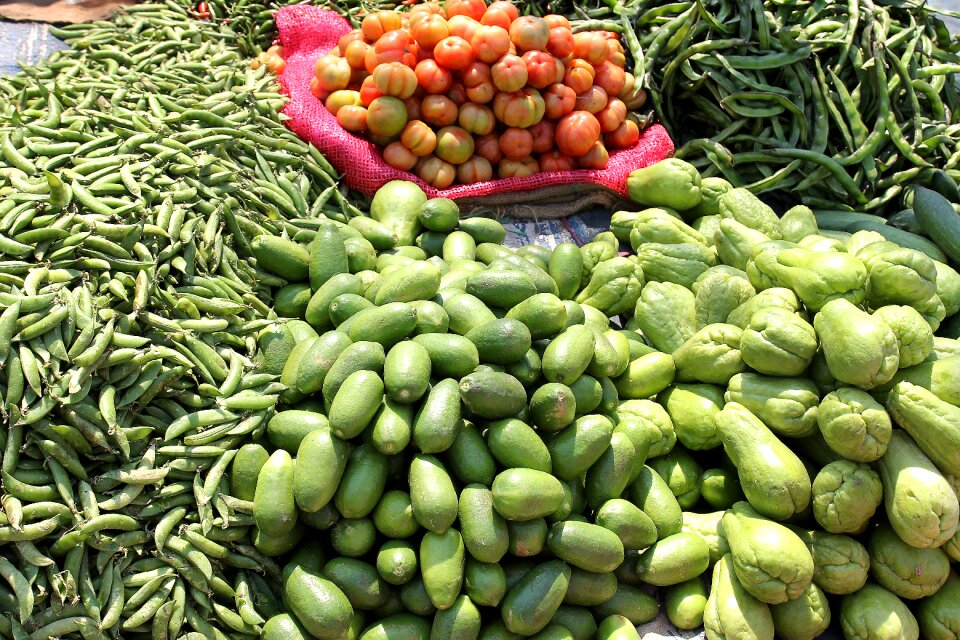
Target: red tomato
395,79
529,33
203,11
413,106
429,30
488,147
559,100
453,52
595,158
419,138
463,27
426,8
386,116
560,42
556,161
399,157
553,21
523,108
482,93
612,115
436,172
432,77
624,137
510,74
474,74
376,24
352,118
476,169
543,69
593,100
394,46
332,73
369,91
516,144
576,133
478,119
356,54
591,46
439,111
454,145
352,36
517,168
458,93
544,133
490,43
471,8
507,7
339,99
496,17
611,77
579,75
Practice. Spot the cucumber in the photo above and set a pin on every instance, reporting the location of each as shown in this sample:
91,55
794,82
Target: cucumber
281,257
274,509
911,240
940,220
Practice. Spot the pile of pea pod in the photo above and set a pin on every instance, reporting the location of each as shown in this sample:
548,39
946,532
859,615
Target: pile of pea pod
134,167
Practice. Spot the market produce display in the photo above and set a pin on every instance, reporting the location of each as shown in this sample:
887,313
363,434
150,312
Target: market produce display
239,401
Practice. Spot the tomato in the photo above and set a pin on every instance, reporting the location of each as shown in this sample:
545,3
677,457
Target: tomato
522,108
593,100
543,69
595,158
352,118
624,136
332,73
553,21
399,157
453,52
376,24
633,94
426,8
338,99
488,147
386,116
611,77
507,7
591,46
395,79
576,133
475,73
615,53
369,91
454,145
490,43
510,74
516,144
496,17
458,93
356,54
560,42
429,30
471,8
612,115
276,64
478,119
394,46
463,27
556,161
476,169
439,111
432,77
517,168
413,106
544,134
318,91
559,100
579,75
529,33
419,138
482,93
351,36
436,172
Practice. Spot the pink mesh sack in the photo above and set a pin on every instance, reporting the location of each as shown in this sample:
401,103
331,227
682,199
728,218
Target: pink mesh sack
307,32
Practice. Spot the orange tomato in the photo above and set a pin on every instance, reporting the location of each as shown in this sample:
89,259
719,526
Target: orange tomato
615,53
559,100
463,27
426,8
471,8
476,169
522,108
579,75
553,21
556,161
394,46
356,54
432,77
510,73
529,33
624,136
454,145
496,17
633,94
419,138
475,73
593,99
399,157
507,7
386,116
345,40
591,46
352,118
332,73
429,30
436,172
612,115
611,77
560,42
517,168
339,99
453,52
376,24
439,111
317,91
516,144
478,119
488,147
543,69
576,133
482,93
490,43
595,158
395,79
544,134
369,91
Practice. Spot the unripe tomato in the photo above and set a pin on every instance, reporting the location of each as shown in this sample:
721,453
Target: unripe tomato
476,169
510,73
612,115
633,94
553,21
615,53
593,99
471,8
458,93
332,73
436,172
488,147
376,24
351,36
579,75
556,161
432,77
624,136
591,46
482,93
496,17
595,158
529,33
454,145
478,119
413,106
517,168
395,79
463,27
559,100
453,52
560,42
356,54
399,157
369,91
386,116
611,77
439,111
544,133
576,133
419,138
507,7
317,91
543,69
522,108
352,118
429,30
338,99
516,144
490,43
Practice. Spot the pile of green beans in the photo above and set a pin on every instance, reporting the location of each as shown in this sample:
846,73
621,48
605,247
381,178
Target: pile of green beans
135,168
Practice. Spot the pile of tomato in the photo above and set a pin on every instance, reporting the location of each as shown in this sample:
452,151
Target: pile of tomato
465,92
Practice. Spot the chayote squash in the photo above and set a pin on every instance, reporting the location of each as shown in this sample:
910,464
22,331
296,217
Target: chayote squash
933,424
678,263
737,243
666,315
655,419
860,349
897,275
948,287
941,377
657,225
614,286
682,474
710,355
840,563
798,223
778,343
748,209
709,527
669,183
914,335
692,408
777,297
846,494
803,618
854,424
719,290
906,571
939,615
873,613
731,612
789,406
710,191
623,222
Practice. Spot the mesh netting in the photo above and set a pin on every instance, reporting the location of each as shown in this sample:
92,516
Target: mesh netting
308,32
